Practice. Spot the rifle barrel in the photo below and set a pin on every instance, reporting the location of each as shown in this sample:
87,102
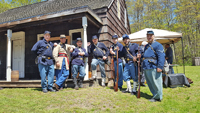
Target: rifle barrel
138,94
117,77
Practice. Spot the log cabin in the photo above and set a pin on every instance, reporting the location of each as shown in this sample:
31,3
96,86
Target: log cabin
22,27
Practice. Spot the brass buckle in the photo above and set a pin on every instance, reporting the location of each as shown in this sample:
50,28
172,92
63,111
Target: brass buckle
49,58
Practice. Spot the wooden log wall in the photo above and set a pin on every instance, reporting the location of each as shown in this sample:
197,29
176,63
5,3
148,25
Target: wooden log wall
111,25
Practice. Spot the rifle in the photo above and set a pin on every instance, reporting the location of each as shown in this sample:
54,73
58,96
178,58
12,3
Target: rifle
112,68
138,93
117,77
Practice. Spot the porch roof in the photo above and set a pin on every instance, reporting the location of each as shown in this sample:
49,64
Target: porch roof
50,9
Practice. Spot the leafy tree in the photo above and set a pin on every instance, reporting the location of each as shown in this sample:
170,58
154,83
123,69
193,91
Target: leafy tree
174,15
9,4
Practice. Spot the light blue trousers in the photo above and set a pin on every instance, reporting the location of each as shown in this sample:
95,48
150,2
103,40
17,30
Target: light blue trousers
130,71
62,74
58,76
171,70
154,81
46,70
101,64
80,69
120,72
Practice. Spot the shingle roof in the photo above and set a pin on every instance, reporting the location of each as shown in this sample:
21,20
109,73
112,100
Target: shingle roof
47,7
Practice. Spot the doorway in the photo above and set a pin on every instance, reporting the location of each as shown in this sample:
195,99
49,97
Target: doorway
18,53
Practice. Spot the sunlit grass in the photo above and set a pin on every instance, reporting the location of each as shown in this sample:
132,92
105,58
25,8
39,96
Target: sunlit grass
98,99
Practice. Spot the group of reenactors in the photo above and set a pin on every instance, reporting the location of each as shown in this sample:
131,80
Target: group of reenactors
53,59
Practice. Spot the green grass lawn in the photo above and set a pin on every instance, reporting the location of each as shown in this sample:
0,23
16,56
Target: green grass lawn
98,99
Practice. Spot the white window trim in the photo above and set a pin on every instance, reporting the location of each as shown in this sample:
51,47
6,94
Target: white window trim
76,31
118,9
125,18
39,36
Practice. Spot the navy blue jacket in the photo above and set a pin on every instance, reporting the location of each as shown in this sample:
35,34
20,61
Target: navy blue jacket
96,52
149,53
133,49
78,59
120,54
38,49
169,54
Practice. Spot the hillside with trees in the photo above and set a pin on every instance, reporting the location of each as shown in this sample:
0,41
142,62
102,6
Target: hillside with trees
174,15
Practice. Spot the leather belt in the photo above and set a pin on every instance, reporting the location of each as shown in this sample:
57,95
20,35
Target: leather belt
98,58
128,59
46,57
79,58
150,58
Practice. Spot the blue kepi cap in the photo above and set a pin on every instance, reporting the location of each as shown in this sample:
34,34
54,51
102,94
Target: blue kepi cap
114,36
125,36
79,39
150,32
47,32
94,37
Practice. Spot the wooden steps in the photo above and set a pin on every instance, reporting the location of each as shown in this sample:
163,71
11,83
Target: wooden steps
37,84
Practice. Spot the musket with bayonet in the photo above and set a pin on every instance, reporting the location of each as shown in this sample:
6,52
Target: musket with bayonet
138,93
117,77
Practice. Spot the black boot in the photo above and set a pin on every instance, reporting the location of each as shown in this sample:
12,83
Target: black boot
81,82
142,84
75,83
133,93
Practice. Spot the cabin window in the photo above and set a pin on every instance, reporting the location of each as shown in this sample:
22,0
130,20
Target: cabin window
125,18
74,34
40,37
54,39
118,9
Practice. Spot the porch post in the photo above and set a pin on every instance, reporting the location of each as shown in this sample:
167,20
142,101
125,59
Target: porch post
8,68
84,24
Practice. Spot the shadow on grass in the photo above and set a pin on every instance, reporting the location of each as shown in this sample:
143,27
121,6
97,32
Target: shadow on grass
37,89
111,88
144,95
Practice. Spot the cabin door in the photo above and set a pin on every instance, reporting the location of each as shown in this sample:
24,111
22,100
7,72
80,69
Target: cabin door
18,51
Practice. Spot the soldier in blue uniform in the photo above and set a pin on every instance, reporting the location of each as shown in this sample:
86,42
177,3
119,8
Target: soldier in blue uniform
113,52
153,63
131,69
43,50
78,56
100,53
169,57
